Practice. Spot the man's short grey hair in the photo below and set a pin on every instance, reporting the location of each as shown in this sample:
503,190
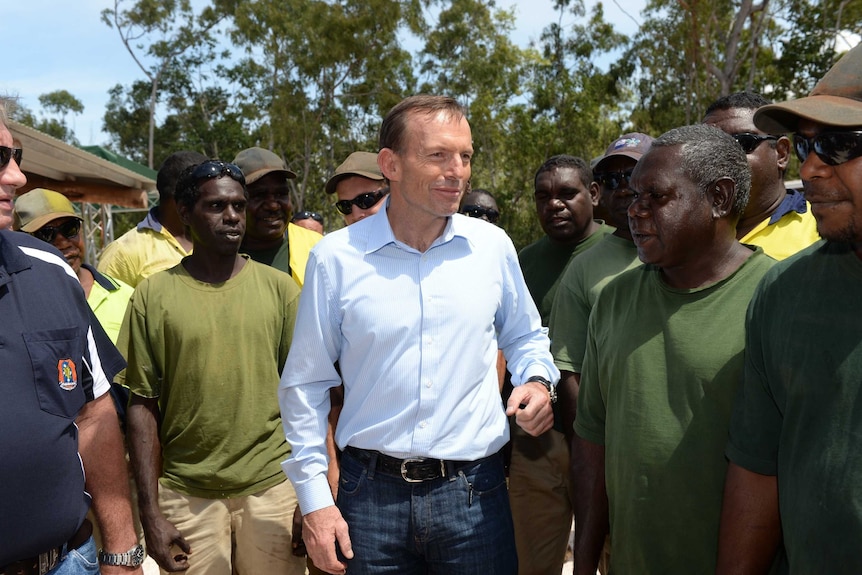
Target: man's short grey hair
708,154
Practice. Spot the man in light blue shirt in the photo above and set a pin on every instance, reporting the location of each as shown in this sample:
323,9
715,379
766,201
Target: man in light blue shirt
398,300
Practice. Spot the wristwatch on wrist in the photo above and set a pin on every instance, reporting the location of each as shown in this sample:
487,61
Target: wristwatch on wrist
552,389
131,558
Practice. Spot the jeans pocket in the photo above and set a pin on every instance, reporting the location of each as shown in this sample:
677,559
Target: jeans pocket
351,477
56,356
483,479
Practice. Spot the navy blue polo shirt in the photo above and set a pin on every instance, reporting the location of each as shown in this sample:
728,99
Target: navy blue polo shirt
53,359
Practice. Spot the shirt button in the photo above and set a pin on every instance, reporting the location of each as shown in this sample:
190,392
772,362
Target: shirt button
423,425
428,384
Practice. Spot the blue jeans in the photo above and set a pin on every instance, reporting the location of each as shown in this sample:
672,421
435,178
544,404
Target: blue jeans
459,525
80,561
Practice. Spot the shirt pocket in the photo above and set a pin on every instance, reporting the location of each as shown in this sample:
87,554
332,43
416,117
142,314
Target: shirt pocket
58,369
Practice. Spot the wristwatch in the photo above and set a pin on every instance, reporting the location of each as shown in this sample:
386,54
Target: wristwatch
131,558
552,389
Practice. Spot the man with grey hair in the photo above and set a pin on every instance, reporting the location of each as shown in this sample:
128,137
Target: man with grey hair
664,354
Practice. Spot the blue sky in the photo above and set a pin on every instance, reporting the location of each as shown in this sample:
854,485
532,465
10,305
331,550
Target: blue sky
60,44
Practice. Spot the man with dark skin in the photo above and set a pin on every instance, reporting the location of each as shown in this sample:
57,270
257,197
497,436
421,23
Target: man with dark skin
776,219
270,237
663,359
795,466
206,341
481,204
539,488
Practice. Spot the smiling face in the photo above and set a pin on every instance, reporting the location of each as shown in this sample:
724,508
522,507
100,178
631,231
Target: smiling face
268,209
835,192
11,178
670,218
217,219
565,204
429,176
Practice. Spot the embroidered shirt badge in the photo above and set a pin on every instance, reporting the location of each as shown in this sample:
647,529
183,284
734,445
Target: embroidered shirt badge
67,374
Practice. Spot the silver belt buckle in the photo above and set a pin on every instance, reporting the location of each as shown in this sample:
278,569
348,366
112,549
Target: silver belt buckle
404,469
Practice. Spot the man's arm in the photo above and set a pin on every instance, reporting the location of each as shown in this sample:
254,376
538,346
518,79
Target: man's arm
591,504
567,397
146,453
100,444
530,403
750,530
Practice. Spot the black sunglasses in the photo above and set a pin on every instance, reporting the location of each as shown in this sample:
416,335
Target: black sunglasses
68,230
479,212
613,180
215,169
363,201
6,154
833,148
749,141
308,216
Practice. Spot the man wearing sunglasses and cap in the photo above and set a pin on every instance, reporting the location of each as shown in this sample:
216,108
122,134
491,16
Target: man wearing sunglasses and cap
794,446
359,186
61,444
50,216
583,280
270,237
776,219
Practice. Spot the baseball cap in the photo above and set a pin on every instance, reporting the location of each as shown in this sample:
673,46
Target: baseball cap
255,163
632,145
39,206
836,100
357,164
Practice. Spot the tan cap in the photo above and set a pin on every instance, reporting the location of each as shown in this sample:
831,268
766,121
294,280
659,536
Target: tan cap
39,207
357,164
836,100
255,163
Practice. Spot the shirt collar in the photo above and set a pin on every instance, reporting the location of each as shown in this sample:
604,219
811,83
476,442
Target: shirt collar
794,201
151,221
11,256
101,279
380,231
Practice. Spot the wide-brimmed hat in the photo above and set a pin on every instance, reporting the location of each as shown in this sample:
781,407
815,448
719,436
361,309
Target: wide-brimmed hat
255,163
38,207
357,164
836,100
632,145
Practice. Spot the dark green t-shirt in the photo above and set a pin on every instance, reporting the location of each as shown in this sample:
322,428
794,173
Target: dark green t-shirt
799,410
661,369
543,263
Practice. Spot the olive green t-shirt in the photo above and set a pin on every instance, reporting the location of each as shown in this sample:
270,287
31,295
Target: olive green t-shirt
798,413
213,354
660,372
543,262
579,288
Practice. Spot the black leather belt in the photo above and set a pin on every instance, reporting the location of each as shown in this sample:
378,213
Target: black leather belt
412,469
44,562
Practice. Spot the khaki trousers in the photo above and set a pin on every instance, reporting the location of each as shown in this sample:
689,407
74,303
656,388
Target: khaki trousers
541,499
247,535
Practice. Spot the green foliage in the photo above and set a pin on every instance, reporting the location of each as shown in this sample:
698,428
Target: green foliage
311,79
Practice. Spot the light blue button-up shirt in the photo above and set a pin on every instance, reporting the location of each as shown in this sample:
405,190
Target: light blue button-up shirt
416,337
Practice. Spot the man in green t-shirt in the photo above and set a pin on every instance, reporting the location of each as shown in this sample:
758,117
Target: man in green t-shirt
206,341
539,489
663,358
795,450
